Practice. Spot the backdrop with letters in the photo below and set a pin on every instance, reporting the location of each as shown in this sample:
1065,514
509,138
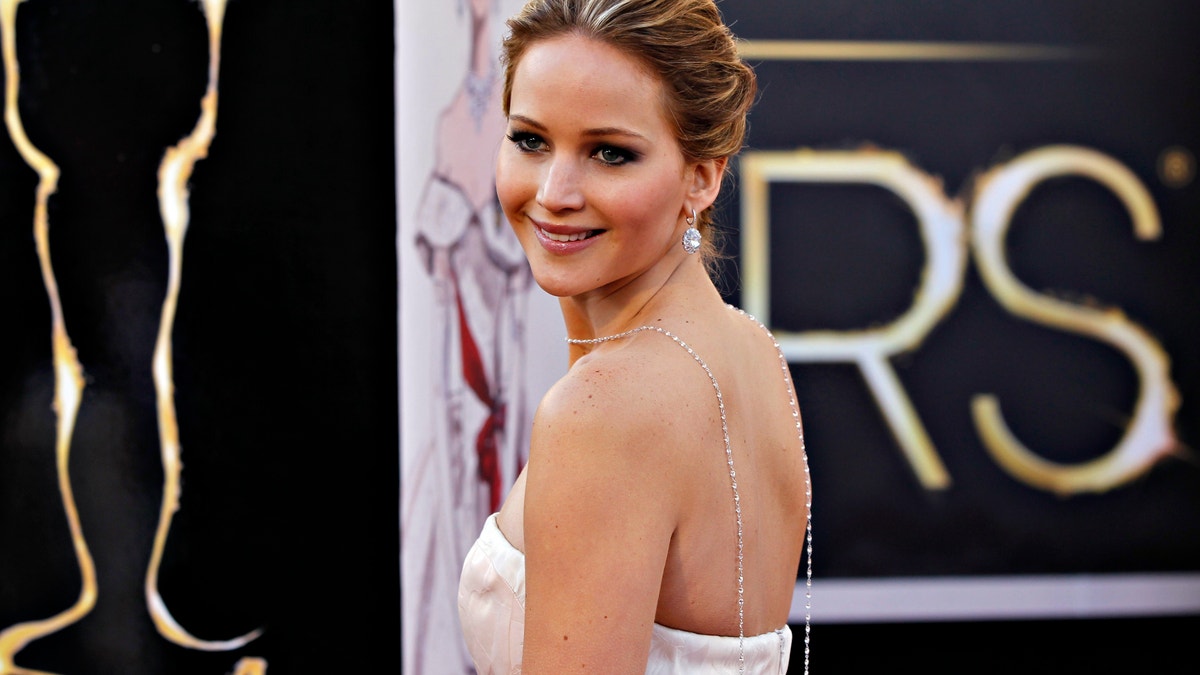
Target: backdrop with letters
973,226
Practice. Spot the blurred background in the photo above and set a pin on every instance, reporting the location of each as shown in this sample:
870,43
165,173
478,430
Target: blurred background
973,225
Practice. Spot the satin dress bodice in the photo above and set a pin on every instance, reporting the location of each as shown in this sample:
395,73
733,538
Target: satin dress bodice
491,607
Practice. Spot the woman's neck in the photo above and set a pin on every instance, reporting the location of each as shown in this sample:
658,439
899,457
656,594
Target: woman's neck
683,291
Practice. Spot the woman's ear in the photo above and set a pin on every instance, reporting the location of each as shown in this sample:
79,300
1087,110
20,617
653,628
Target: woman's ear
706,177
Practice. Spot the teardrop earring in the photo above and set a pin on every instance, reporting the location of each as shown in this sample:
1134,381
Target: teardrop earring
691,236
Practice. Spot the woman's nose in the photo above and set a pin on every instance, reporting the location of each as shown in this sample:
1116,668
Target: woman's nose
561,188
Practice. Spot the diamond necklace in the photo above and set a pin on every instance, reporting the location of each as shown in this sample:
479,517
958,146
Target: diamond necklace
737,505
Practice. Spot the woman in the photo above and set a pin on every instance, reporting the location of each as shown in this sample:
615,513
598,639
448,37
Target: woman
657,525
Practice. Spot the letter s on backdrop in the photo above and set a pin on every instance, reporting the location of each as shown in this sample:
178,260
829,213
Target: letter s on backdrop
1149,435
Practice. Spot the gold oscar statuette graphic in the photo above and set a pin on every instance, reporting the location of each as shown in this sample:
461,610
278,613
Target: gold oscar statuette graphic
174,173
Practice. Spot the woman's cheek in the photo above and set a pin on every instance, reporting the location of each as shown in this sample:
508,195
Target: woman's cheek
512,187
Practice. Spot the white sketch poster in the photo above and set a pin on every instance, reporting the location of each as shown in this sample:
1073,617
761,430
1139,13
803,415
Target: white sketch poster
479,341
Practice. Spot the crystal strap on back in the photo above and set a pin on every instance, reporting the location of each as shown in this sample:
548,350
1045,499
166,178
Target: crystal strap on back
737,502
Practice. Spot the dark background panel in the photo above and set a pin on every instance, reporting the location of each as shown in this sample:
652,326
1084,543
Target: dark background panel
848,257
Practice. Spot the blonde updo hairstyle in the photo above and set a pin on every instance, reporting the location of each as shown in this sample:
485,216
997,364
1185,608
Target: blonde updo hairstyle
708,88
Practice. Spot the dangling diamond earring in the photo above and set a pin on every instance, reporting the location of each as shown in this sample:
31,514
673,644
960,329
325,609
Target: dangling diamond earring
691,236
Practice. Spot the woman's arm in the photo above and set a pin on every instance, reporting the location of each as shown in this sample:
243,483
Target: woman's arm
600,509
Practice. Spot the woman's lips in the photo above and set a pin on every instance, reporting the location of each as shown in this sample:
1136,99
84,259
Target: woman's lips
561,239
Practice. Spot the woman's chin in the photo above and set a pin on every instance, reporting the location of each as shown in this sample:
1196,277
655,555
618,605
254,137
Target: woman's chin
558,283
556,287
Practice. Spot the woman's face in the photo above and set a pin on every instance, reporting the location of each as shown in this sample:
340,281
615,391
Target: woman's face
590,177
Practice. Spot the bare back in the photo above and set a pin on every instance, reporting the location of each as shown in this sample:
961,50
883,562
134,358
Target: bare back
768,458
683,469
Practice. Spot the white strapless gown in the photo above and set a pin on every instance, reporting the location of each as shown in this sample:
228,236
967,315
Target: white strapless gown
491,607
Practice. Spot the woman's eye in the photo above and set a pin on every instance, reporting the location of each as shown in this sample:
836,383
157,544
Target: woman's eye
613,156
526,142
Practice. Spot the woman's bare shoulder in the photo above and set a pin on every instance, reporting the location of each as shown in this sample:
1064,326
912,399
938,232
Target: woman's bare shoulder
626,392
618,421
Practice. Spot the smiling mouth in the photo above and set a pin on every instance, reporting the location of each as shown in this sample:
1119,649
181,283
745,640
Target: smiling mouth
577,236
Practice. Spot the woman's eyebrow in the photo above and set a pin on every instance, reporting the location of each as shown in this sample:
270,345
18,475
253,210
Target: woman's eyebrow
613,131
598,131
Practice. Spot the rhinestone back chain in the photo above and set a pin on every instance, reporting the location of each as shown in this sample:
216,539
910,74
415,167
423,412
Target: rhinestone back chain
808,536
737,501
